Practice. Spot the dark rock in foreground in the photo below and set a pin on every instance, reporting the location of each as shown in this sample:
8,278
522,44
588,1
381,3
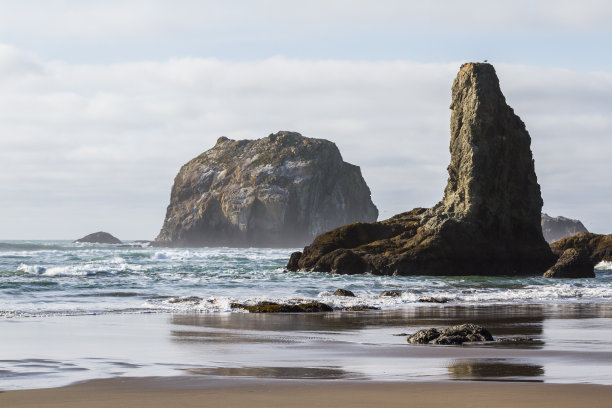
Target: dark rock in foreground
343,292
597,247
99,238
451,336
572,264
556,228
271,307
279,191
488,222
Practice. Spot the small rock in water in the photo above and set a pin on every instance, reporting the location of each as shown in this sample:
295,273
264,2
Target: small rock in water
343,292
451,336
391,293
272,307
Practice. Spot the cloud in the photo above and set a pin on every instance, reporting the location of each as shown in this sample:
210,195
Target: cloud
140,18
90,147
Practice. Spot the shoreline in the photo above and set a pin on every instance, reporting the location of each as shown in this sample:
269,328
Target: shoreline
570,344
154,392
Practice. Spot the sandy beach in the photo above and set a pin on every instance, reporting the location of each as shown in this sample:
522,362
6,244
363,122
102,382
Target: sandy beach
190,392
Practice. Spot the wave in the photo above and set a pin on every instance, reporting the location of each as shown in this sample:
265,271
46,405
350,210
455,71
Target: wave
78,270
604,266
28,246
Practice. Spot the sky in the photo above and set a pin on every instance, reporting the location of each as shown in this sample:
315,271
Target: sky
102,102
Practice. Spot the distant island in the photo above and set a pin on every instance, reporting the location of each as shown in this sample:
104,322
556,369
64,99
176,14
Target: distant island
556,228
99,237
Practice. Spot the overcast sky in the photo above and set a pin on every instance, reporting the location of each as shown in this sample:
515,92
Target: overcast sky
102,102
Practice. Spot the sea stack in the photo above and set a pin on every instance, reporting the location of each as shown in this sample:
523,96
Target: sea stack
556,228
279,191
488,222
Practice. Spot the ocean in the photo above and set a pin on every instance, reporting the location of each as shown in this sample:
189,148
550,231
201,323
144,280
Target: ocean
79,312
47,278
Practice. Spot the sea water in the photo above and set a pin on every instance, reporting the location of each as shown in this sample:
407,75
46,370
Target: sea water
50,278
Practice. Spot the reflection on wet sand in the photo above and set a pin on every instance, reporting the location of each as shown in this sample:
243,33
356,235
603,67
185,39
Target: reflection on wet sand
205,336
319,373
541,344
495,369
519,320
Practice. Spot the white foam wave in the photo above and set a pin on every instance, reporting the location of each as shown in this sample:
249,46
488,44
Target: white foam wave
604,266
88,269
190,304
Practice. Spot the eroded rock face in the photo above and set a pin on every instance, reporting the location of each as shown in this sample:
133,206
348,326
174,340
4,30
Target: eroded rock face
556,228
99,237
488,222
279,191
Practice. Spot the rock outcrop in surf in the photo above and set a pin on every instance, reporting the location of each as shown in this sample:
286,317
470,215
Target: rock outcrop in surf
279,191
99,237
488,222
556,228
596,247
572,264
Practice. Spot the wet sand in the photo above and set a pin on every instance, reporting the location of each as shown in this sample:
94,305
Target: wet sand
570,345
194,392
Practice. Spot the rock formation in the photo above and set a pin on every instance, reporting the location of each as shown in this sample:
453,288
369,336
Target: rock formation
596,247
488,222
455,335
99,237
272,307
279,191
556,228
343,292
572,264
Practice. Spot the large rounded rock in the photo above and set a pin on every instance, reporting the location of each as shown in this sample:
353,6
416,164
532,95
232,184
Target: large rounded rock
99,237
279,191
572,264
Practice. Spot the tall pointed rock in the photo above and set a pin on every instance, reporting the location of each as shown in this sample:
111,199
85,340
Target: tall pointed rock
488,222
